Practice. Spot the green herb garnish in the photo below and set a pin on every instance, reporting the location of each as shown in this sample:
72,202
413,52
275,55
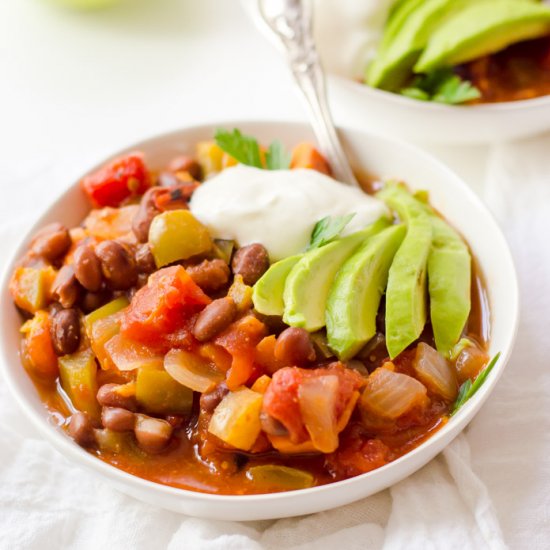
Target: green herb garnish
246,150
468,389
327,229
277,158
442,86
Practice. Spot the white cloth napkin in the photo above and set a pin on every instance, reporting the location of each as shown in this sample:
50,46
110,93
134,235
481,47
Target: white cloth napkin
489,489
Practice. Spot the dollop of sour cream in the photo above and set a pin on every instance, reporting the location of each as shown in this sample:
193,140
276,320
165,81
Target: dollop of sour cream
278,208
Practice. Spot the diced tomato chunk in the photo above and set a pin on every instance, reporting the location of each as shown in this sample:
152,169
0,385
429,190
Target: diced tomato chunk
357,455
240,340
162,307
281,398
115,182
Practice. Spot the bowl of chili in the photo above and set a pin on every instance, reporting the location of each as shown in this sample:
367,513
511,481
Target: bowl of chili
184,389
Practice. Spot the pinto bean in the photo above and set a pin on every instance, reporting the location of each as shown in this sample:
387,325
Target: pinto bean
294,347
185,163
94,300
51,242
210,275
145,262
87,268
152,434
81,429
209,401
145,214
65,331
117,265
216,316
109,396
117,419
250,262
65,288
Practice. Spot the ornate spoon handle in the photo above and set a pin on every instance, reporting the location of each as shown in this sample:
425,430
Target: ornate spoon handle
290,21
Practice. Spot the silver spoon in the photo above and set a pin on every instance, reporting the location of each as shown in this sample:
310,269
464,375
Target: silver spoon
291,21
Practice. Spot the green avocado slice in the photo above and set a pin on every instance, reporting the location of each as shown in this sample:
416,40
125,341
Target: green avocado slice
481,29
395,61
449,282
309,281
449,276
355,295
267,293
406,295
397,17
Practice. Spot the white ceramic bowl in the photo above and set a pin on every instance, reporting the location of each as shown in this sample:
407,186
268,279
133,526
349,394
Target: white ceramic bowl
384,157
359,105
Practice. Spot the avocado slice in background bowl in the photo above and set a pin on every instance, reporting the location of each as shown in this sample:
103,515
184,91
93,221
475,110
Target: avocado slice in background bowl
482,29
401,47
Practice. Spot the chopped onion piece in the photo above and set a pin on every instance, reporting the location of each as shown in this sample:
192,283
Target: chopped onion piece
317,397
236,420
129,355
191,370
435,372
390,394
470,362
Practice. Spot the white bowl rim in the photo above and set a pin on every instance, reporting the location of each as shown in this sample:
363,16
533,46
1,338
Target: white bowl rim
432,106
68,448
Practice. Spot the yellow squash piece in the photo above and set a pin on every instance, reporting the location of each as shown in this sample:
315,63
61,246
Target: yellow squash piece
105,311
282,478
177,235
78,373
158,393
30,287
210,157
236,420
102,325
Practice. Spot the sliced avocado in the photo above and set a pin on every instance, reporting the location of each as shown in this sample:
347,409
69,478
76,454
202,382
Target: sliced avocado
267,294
308,283
355,295
449,277
394,63
481,29
397,17
449,281
406,295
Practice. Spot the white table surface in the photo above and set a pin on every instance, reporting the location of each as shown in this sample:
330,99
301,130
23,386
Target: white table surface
76,86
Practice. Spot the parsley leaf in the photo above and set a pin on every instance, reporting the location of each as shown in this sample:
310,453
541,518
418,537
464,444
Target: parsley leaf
244,149
454,91
276,157
442,86
327,229
468,389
